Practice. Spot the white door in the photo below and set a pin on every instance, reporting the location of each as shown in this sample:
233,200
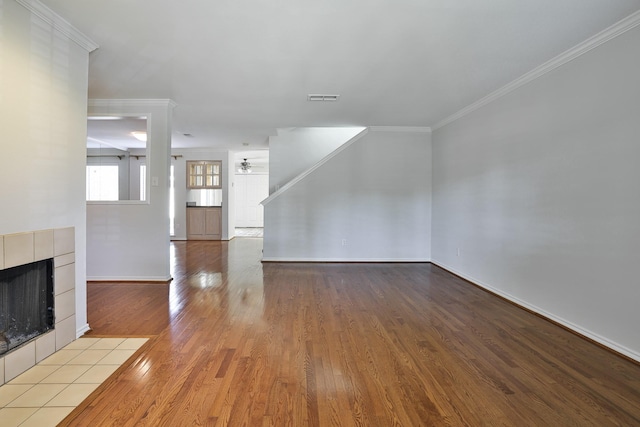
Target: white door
251,189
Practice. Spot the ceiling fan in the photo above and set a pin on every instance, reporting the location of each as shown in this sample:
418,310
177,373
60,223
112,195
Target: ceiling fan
245,167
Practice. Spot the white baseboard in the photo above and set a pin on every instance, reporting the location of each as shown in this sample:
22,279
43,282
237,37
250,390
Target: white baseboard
567,324
82,330
129,278
344,260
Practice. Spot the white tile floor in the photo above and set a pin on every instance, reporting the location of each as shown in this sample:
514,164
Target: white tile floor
48,392
249,232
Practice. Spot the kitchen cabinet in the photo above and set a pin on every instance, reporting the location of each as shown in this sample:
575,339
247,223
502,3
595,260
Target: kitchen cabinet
204,174
204,223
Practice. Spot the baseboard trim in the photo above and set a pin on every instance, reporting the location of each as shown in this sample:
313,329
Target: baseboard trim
346,260
82,330
596,339
132,279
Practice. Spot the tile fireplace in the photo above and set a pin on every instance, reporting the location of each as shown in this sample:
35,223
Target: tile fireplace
22,249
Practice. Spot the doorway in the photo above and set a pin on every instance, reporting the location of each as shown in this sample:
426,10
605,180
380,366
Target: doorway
251,188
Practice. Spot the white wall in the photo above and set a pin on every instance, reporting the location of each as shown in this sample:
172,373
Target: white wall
130,240
43,110
375,194
295,150
540,192
228,199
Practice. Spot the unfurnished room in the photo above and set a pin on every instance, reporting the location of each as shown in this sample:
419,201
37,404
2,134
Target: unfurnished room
337,213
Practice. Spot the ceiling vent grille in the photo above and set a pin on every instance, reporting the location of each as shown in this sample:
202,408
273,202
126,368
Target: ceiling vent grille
322,97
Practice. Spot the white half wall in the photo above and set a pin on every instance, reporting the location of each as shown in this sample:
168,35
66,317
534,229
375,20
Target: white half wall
371,202
536,195
129,240
295,150
43,128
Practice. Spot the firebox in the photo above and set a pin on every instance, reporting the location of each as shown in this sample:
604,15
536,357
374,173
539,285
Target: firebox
26,303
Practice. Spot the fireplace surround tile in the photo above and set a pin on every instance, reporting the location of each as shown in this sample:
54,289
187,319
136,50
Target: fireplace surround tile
45,346
64,240
43,244
23,248
19,360
65,259
65,305
65,279
65,331
18,249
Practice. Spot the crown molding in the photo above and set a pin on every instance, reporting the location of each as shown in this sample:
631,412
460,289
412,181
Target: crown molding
602,37
416,129
58,23
132,103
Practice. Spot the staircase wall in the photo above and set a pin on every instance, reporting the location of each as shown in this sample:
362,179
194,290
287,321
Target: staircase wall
295,150
371,202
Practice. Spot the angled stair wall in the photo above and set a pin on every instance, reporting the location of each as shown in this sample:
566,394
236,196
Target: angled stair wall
295,150
369,200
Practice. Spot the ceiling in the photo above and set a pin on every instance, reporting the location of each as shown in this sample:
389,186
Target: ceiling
241,69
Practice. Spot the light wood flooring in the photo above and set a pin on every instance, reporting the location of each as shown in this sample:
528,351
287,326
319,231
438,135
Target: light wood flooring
235,342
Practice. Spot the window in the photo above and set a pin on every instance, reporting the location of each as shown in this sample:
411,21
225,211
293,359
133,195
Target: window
143,182
102,182
204,174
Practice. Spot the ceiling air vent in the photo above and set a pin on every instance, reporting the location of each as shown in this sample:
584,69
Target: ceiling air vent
321,97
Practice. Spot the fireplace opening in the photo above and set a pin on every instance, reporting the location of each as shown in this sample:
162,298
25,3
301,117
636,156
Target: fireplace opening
26,303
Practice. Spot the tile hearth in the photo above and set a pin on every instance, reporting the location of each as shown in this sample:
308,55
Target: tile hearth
45,394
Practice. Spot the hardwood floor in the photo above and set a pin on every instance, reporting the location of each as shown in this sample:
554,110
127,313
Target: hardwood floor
244,344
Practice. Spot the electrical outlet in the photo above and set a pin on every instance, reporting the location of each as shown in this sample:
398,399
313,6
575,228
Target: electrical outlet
344,242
